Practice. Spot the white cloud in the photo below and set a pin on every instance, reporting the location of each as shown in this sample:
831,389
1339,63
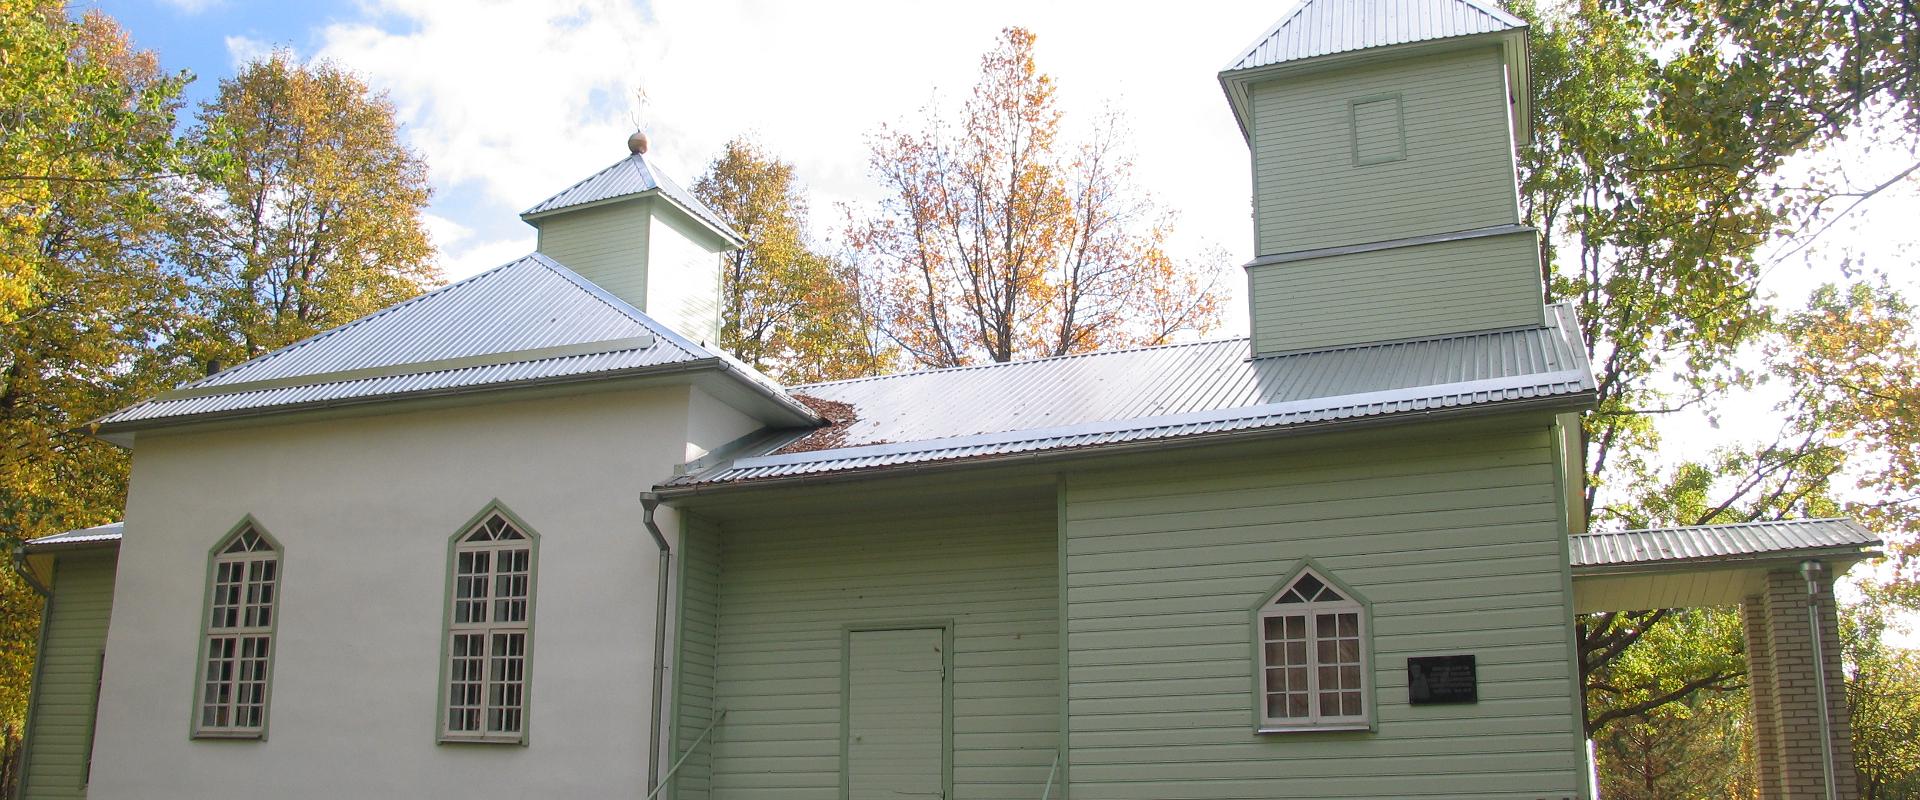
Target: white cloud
244,49
510,102
462,253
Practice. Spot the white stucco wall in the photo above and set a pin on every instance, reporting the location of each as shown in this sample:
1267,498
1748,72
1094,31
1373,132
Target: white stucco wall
363,508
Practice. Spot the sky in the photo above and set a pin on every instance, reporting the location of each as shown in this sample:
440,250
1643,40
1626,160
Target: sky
511,102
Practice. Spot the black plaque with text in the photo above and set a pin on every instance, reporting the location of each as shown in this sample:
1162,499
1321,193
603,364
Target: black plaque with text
1433,680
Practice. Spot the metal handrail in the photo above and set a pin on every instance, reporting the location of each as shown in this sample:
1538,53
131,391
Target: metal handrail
1044,795
666,780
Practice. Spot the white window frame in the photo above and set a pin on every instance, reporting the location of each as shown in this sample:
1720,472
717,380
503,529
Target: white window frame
253,606
475,540
1311,612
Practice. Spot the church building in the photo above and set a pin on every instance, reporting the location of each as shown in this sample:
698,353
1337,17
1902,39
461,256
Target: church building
533,534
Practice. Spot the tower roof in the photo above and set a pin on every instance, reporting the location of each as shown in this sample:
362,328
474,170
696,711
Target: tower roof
1316,32
631,178
1316,28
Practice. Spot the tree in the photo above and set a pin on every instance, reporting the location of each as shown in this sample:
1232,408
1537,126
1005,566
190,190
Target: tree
997,242
1662,131
85,168
315,219
786,309
1883,691
1658,737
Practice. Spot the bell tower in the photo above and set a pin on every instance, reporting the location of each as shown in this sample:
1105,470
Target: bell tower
1386,208
636,233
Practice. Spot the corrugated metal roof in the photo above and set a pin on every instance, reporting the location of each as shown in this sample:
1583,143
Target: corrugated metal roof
532,305
1324,27
1160,393
1742,540
631,177
109,532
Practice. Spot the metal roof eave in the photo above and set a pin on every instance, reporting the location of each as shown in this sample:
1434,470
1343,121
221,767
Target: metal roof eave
1583,399
1847,554
120,433
725,232
32,549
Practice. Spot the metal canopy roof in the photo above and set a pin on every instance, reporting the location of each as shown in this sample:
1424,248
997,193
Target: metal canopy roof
531,320
99,534
1719,543
1317,28
632,177
1158,393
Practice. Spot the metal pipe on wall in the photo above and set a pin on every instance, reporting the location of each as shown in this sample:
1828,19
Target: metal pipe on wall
648,502
1814,571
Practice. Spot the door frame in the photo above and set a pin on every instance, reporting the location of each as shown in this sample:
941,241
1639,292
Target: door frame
945,626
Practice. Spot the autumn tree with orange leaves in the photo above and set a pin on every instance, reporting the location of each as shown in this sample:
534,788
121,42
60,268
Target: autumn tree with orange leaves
998,242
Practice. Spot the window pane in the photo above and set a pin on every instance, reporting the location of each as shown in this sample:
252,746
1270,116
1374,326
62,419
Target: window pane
1307,585
505,682
467,658
1297,704
1349,625
1276,628
1350,704
1296,627
1324,626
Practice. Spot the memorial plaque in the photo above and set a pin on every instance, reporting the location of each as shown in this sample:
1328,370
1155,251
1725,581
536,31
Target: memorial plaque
1432,680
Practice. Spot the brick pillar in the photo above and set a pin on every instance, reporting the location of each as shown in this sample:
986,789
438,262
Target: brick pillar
1766,743
1795,695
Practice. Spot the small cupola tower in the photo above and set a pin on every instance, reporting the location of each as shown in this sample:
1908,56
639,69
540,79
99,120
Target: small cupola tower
1385,202
635,233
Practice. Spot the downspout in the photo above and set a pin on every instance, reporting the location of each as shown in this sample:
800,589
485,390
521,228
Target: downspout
648,502
1813,570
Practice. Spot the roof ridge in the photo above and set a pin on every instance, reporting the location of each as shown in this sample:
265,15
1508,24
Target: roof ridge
1000,364
287,348
649,174
614,302
1254,46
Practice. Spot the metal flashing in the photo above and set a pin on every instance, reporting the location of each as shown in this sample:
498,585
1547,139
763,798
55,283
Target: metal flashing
1390,244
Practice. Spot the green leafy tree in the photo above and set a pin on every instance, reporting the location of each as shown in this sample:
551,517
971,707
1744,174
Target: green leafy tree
87,162
1662,132
313,218
786,308
1883,691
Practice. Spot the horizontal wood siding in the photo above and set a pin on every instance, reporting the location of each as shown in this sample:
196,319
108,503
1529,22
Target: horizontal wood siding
606,245
684,282
1456,543
790,589
1457,173
64,692
699,622
1400,293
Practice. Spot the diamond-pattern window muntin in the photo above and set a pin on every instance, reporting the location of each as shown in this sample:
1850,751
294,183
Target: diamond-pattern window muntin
238,640
488,632
1313,657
